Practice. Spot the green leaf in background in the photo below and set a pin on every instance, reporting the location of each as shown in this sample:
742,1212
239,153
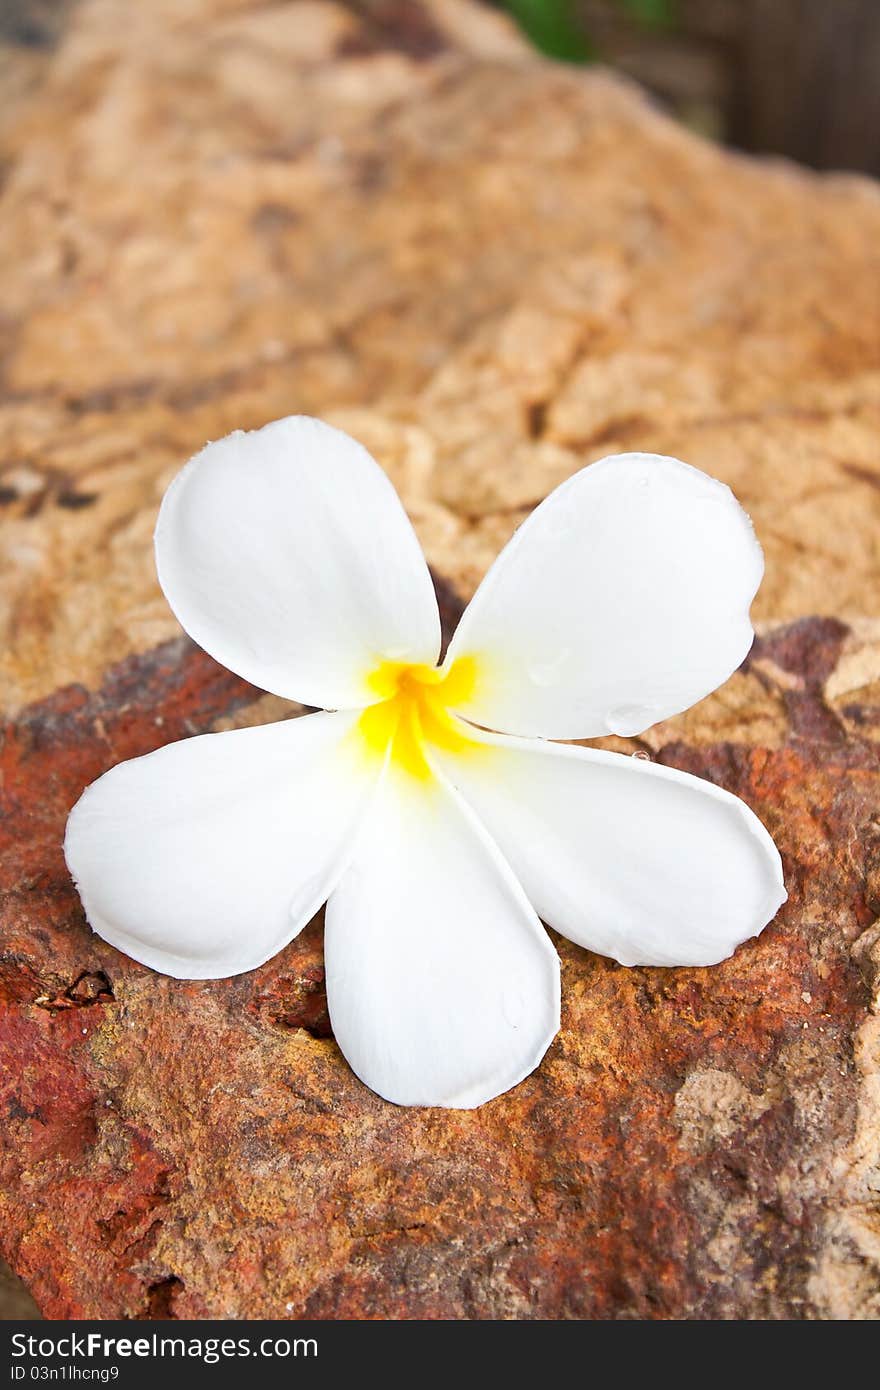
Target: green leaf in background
553,27
557,27
653,14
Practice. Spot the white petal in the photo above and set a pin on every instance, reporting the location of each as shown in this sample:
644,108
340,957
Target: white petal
206,857
629,858
442,985
622,599
286,554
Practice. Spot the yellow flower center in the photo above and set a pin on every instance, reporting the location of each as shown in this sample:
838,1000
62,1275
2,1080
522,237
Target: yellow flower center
414,709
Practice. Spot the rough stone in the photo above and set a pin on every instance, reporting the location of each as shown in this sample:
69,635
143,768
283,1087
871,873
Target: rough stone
491,270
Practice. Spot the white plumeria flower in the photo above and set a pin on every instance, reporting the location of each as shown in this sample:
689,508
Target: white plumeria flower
436,843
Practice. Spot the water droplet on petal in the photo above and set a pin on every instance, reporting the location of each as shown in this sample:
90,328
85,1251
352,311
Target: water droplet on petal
513,1006
626,720
552,672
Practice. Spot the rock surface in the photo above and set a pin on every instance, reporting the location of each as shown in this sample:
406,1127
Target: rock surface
491,270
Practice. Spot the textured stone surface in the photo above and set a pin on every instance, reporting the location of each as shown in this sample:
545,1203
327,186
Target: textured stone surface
491,270
15,1301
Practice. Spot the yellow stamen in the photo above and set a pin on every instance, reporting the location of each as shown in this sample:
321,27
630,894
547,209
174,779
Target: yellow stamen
414,709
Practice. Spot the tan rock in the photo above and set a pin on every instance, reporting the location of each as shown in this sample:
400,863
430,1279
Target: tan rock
543,272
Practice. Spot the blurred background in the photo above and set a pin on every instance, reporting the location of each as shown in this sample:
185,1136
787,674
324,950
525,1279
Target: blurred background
791,77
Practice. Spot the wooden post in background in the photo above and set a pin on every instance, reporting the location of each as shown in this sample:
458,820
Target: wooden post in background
808,83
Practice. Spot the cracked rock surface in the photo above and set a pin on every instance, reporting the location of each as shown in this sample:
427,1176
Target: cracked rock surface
491,270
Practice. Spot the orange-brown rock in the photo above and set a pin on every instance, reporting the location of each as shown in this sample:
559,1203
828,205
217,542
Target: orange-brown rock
491,270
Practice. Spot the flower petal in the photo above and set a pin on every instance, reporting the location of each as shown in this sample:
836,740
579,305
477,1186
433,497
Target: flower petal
622,599
442,985
629,858
206,857
286,554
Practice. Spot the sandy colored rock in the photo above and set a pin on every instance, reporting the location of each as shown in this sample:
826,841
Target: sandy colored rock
491,270
543,271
